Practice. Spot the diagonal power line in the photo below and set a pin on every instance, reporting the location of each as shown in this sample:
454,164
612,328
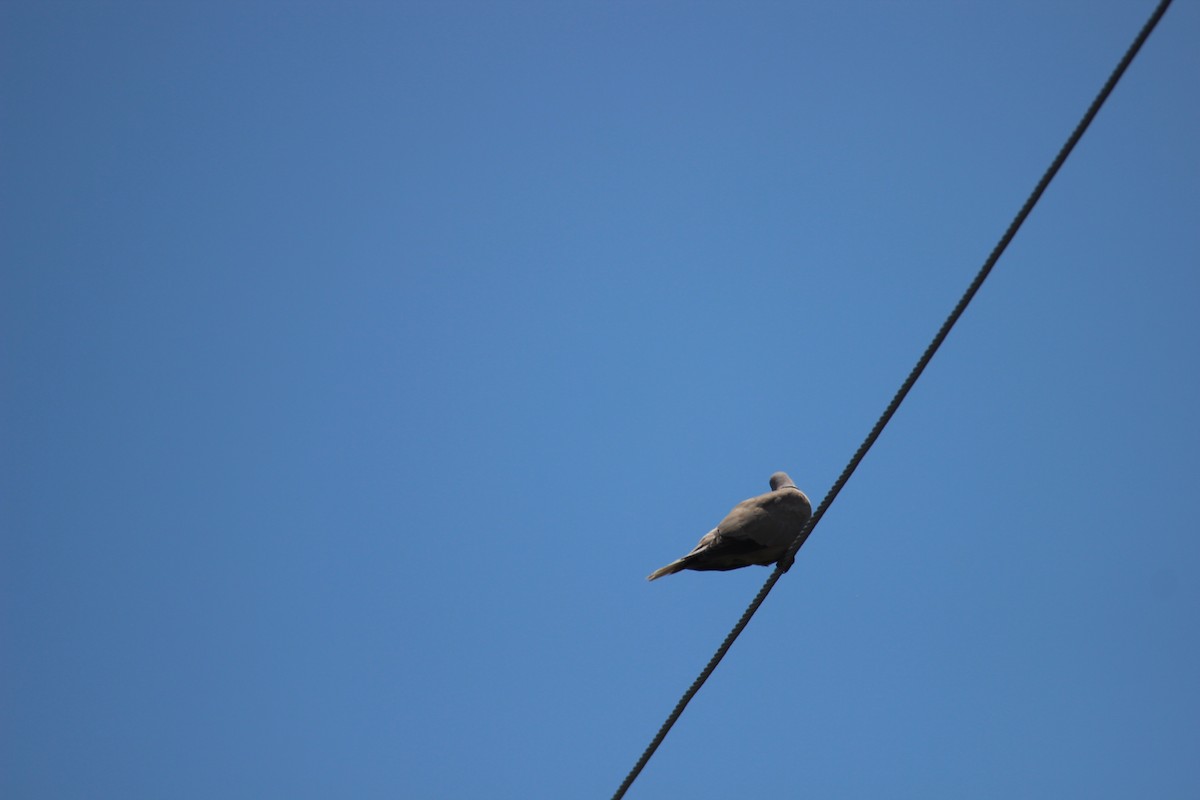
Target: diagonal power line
785,563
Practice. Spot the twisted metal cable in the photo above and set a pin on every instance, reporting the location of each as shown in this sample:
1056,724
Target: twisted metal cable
785,563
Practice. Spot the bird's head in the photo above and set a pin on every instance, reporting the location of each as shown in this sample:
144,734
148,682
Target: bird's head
780,479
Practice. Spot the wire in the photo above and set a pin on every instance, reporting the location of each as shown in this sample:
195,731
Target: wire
785,563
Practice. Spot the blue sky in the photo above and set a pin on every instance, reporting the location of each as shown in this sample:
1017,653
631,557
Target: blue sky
360,361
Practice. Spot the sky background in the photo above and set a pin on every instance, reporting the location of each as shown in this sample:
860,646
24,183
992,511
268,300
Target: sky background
359,361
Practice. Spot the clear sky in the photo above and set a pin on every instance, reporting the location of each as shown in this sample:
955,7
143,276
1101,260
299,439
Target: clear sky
360,360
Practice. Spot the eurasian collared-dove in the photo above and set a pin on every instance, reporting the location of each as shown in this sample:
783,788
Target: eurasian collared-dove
756,531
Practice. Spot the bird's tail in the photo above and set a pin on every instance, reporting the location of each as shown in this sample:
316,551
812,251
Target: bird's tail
669,569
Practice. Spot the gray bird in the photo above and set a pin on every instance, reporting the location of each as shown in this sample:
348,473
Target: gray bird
756,531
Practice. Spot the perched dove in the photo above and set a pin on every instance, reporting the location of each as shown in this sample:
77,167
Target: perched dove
756,531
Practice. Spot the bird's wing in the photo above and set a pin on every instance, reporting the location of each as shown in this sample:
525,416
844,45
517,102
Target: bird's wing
706,541
749,521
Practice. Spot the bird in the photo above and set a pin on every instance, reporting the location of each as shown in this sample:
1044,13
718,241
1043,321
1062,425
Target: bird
756,531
